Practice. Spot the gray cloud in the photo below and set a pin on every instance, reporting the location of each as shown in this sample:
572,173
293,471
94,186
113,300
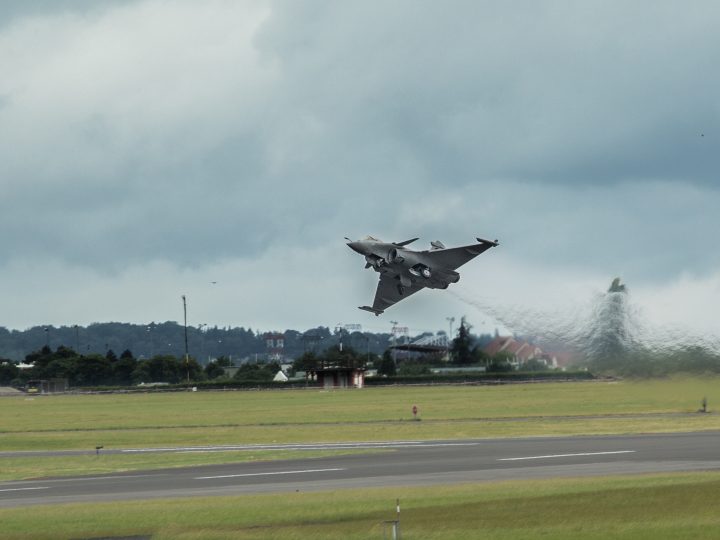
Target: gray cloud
545,91
12,11
583,136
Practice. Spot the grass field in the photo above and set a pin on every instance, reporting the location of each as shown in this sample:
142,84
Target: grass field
38,418
654,506
658,507
66,422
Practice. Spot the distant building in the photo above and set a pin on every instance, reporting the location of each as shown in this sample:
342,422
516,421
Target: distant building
47,386
338,377
518,351
430,345
561,359
275,346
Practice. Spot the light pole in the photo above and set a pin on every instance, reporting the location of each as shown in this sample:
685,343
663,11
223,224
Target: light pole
339,329
152,340
187,358
450,320
202,340
394,326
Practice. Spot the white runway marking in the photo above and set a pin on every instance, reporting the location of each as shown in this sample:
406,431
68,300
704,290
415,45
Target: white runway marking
568,455
23,489
88,478
310,446
267,473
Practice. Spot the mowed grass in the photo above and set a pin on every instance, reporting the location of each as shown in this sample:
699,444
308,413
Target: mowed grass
658,507
353,432
198,418
116,421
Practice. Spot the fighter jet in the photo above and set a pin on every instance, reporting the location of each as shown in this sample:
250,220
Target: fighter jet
404,272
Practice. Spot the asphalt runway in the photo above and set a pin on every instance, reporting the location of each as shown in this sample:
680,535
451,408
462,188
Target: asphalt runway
401,463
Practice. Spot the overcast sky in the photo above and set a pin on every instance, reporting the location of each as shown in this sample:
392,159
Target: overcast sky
149,148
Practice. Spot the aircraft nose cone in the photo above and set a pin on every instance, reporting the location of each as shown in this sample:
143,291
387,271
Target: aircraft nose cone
355,246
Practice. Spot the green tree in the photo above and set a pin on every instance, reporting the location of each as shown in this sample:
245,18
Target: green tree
533,365
223,361
123,369
193,367
501,362
387,365
60,368
480,356
306,362
39,359
64,352
141,373
347,357
92,370
161,368
461,346
257,372
252,373
213,370
8,371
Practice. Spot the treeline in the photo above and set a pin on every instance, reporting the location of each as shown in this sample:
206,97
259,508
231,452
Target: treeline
110,370
168,339
95,370
98,370
464,353
358,350
207,342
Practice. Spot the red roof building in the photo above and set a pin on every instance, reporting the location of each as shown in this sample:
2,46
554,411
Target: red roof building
519,351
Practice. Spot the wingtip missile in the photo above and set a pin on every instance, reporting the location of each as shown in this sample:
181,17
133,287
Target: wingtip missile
494,243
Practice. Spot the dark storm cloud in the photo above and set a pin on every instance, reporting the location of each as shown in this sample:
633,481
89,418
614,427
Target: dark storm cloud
197,132
552,91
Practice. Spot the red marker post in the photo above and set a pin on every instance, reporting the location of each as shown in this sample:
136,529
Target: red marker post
414,410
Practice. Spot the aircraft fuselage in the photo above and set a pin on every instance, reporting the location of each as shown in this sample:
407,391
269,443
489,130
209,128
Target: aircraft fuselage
404,272
405,265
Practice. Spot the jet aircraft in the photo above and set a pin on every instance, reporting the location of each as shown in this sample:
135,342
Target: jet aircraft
404,272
